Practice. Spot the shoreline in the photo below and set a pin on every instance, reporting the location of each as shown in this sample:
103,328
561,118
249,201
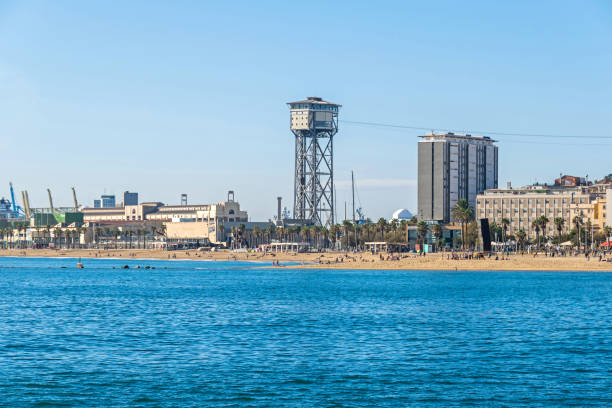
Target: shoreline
333,260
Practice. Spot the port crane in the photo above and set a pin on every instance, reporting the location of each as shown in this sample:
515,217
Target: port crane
25,198
51,201
76,203
16,209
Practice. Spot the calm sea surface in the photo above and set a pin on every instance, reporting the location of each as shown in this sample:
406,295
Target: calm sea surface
225,335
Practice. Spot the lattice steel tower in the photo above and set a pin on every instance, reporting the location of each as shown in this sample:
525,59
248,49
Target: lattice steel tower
314,122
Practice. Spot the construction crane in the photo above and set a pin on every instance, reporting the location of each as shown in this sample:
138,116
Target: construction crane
50,201
76,204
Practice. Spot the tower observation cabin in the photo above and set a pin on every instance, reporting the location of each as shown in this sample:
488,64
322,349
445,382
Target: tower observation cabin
314,122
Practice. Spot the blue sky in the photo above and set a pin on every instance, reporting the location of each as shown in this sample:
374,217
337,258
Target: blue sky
179,97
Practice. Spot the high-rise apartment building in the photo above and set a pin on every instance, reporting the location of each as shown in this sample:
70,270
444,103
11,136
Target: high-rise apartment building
130,198
452,167
108,201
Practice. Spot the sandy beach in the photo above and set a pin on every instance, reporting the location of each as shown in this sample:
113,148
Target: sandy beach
342,260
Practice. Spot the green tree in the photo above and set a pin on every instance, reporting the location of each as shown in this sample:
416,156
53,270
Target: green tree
559,222
471,234
543,224
505,223
521,238
536,225
270,231
463,214
496,231
57,236
381,226
257,236
404,227
346,224
422,229
436,231
578,223
607,231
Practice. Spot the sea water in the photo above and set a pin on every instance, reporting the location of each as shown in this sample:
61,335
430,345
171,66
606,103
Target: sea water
232,334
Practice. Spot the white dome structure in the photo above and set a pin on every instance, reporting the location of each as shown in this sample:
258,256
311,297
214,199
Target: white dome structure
402,214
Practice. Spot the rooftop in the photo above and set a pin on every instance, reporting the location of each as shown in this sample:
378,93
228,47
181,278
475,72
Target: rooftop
451,135
314,100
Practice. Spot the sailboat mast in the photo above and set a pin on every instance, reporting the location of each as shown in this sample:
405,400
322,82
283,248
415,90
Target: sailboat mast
353,186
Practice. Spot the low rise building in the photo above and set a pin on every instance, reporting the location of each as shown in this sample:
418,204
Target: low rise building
205,223
227,211
608,215
524,205
570,181
600,215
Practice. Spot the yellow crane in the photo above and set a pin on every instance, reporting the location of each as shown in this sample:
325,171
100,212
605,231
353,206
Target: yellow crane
50,201
76,204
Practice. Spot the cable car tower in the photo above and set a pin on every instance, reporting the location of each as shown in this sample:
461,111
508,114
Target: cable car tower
314,122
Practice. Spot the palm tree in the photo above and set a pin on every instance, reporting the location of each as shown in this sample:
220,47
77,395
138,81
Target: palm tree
234,232
496,230
270,232
381,225
334,230
57,236
257,235
543,223
3,231
394,224
588,226
521,237
67,237
505,223
404,227
578,223
79,231
241,234
144,231
220,230
280,233
325,235
75,237
153,229
346,224
607,231
436,231
422,229
536,226
559,222
305,233
463,214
